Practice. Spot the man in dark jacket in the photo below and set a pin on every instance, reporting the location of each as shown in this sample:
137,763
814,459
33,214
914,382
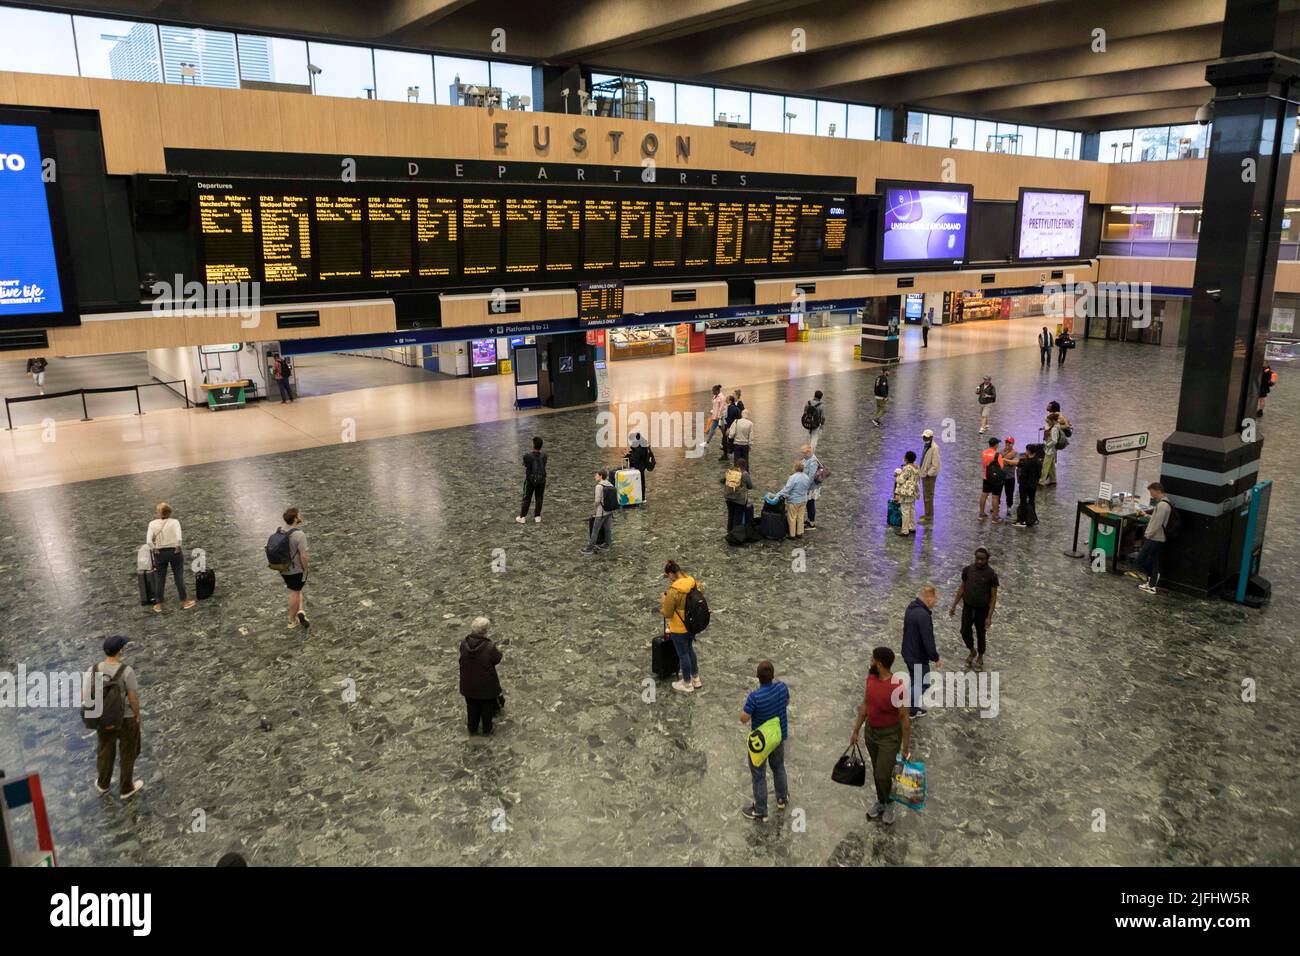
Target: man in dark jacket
534,482
731,414
479,686
919,650
641,457
881,389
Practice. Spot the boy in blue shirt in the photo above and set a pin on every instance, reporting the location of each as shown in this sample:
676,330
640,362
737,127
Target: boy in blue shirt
771,699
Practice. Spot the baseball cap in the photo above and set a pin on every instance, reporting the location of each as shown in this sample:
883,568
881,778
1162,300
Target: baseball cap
113,645
927,434
1009,440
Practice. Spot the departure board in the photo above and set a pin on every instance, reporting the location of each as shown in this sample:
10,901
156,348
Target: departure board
634,233
226,221
670,220
563,229
480,221
758,233
836,233
524,234
730,230
286,239
812,228
600,303
698,236
599,233
785,230
390,236
339,240
437,235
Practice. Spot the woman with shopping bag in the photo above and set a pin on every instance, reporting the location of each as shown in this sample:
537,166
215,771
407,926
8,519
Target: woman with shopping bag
889,729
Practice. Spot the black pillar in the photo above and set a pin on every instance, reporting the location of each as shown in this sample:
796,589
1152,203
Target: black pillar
1212,460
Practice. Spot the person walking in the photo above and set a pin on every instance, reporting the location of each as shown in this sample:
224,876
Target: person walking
1044,348
929,470
770,701
672,606
641,457
812,467
919,650
814,419
978,596
1051,435
1064,342
796,491
606,502
741,434
994,475
926,321
1267,379
164,540
907,488
479,684
283,370
987,395
1028,470
881,391
736,483
110,692
36,369
534,482
889,729
717,408
729,417
295,574
1154,537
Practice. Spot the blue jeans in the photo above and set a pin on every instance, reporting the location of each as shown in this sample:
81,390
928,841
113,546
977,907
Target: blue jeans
169,558
759,776
1149,558
713,427
919,673
690,664
1045,357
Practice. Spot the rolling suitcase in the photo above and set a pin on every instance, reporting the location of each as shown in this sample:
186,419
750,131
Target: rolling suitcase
663,656
771,524
205,582
145,580
627,483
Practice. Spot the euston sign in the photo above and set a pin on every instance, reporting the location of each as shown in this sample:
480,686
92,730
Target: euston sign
1111,446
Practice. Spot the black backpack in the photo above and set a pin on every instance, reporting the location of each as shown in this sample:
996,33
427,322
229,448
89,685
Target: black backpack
278,555
812,417
609,499
1174,523
112,703
695,612
995,472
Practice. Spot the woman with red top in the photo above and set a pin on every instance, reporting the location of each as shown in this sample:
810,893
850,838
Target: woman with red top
889,729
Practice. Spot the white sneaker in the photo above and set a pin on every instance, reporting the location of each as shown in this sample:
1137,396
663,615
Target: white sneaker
696,682
537,519
101,789
684,687
136,786
520,520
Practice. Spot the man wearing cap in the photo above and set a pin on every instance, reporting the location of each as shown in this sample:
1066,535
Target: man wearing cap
121,737
987,395
929,469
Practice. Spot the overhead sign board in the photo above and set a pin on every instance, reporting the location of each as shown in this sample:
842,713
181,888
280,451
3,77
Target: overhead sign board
1112,446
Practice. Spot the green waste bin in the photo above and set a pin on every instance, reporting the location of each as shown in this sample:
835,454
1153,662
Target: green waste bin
1103,537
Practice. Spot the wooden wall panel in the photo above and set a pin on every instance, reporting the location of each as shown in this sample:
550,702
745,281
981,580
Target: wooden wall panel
1179,180
8,89
367,318
307,124
128,115
39,89
119,335
1288,277
250,119
466,310
190,116
774,291
1177,273
659,298
361,127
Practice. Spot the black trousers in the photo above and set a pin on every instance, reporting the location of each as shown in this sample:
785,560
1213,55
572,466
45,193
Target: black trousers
812,510
532,489
1045,356
735,514
925,337
1009,489
286,393
1060,356
480,711
973,615
1028,505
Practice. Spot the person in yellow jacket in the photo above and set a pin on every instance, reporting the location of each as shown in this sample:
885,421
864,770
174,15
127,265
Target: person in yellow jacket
672,605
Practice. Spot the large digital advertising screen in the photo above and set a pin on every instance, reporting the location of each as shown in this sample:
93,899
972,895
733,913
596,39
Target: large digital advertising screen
34,285
1050,223
923,223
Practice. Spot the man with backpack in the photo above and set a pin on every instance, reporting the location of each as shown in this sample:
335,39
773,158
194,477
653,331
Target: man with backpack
987,394
813,418
687,613
282,370
736,483
881,391
1064,342
286,552
110,704
995,476
534,481
601,522
641,457
1161,525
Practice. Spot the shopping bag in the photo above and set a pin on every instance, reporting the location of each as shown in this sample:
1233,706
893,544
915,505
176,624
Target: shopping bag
909,783
850,769
894,516
763,740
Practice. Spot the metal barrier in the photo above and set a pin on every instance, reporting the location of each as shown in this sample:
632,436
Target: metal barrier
83,392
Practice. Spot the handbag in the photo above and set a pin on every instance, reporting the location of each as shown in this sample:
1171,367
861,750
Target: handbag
763,740
850,769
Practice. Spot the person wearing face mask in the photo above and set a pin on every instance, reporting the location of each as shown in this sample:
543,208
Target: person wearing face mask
929,469
919,650
978,596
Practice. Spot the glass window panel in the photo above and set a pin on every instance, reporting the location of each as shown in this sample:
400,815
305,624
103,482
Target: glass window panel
939,132
1111,148
963,131
1151,144
198,57
1046,143
1290,222
1187,222
1065,148
805,115
733,103
404,77
767,112
1117,224
446,70
664,97
1187,142
513,79
33,41
985,135
1153,222
695,104
1006,138
344,70
831,119
1078,144
1027,145
862,122
272,60
118,49
915,127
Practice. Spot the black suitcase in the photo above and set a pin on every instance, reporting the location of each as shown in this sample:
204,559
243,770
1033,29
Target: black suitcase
145,580
737,535
772,523
205,582
604,533
663,657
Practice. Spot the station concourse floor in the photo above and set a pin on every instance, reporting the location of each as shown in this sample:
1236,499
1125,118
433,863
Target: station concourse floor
1115,706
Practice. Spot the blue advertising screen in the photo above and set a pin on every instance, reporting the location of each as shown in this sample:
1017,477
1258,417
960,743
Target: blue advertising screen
29,263
921,225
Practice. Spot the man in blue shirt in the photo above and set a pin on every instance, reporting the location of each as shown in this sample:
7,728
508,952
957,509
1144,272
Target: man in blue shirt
771,699
796,491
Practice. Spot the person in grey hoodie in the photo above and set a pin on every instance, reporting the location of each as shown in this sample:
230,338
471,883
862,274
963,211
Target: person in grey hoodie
606,504
479,684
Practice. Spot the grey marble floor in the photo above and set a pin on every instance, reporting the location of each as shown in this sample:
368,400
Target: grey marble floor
1112,701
